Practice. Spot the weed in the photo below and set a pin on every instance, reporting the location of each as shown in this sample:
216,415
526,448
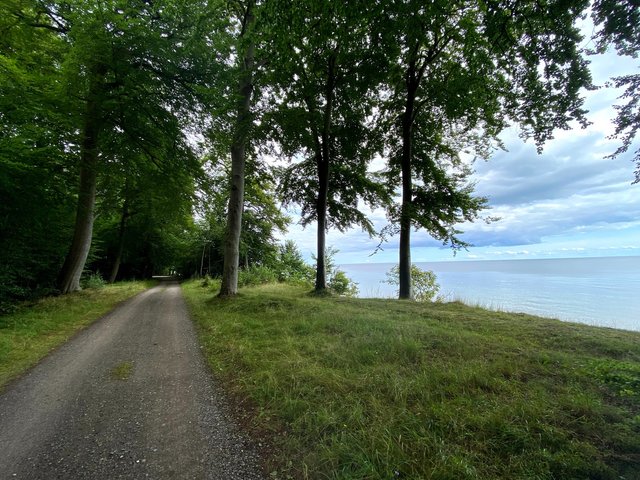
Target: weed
122,371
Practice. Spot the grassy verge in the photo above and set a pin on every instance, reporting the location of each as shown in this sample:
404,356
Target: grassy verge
381,389
30,333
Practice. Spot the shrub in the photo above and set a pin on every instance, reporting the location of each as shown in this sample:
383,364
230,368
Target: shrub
423,282
256,275
291,267
94,280
340,284
337,280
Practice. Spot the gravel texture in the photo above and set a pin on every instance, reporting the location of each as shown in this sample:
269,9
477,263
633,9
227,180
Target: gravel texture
130,397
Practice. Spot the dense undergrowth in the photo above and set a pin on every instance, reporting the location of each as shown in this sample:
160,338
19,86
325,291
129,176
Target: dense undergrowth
381,389
33,330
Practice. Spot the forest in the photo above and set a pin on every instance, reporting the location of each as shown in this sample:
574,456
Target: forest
147,137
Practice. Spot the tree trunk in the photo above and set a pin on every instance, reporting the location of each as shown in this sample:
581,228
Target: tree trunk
321,206
204,246
323,162
404,265
229,284
123,223
69,278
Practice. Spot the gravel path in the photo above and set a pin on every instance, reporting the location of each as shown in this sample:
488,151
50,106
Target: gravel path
130,397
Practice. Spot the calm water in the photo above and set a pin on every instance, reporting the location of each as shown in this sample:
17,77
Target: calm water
595,291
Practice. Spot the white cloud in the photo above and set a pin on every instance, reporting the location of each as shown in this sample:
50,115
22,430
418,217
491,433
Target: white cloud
569,201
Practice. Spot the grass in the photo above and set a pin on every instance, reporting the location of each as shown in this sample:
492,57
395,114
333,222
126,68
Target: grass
29,333
382,389
122,371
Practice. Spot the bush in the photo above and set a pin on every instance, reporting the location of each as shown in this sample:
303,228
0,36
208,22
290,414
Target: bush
94,280
340,284
256,275
212,284
337,280
291,267
424,283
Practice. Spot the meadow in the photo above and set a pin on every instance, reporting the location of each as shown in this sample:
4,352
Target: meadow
347,388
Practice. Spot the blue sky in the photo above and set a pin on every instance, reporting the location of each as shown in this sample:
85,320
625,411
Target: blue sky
570,201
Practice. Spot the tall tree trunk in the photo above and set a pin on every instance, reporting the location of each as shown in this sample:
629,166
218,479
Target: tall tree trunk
121,230
323,162
229,284
69,277
321,206
404,264
204,246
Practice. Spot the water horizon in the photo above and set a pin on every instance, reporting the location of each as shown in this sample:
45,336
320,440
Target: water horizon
599,291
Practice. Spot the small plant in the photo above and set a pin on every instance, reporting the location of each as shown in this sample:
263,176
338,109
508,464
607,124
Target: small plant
340,284
423,282
94,280
256,275
623,378
122,371
337,280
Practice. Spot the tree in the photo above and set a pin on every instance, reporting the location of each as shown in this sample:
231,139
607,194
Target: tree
36,183
125,72
323,72
241,134
619,23
141,200
459,73
261,220
290,266
424,282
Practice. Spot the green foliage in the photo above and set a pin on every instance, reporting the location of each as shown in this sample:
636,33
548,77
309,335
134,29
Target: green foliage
424,282
337,280
290,266
623,378
124,73
203,241
94,280
365,388
256,275
618,23
342,285
332,88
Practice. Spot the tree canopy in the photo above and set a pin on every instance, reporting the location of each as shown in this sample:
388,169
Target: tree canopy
138,137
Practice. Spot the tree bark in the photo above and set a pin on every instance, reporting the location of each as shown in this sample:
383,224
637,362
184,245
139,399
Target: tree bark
69,278
404,264
323,162
321,206
204,246
229,284
121,230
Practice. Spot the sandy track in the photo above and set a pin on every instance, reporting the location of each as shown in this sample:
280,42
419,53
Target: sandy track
129,397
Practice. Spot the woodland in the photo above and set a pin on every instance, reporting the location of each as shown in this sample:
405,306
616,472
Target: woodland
147,137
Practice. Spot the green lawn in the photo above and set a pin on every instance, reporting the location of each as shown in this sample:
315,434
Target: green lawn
31,332
382,389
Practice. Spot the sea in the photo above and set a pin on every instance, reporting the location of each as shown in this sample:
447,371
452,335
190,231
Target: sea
596,291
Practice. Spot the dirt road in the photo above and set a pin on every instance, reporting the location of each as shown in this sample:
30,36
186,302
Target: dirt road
129,397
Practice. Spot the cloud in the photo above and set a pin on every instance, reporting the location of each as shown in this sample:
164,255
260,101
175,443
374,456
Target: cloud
570,200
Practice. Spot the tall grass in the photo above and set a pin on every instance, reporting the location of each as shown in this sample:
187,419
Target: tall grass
383,389
30,332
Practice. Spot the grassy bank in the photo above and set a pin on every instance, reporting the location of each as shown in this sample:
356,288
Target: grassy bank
32,331
380,389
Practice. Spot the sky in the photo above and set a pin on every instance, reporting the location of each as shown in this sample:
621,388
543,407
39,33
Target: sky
569,201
